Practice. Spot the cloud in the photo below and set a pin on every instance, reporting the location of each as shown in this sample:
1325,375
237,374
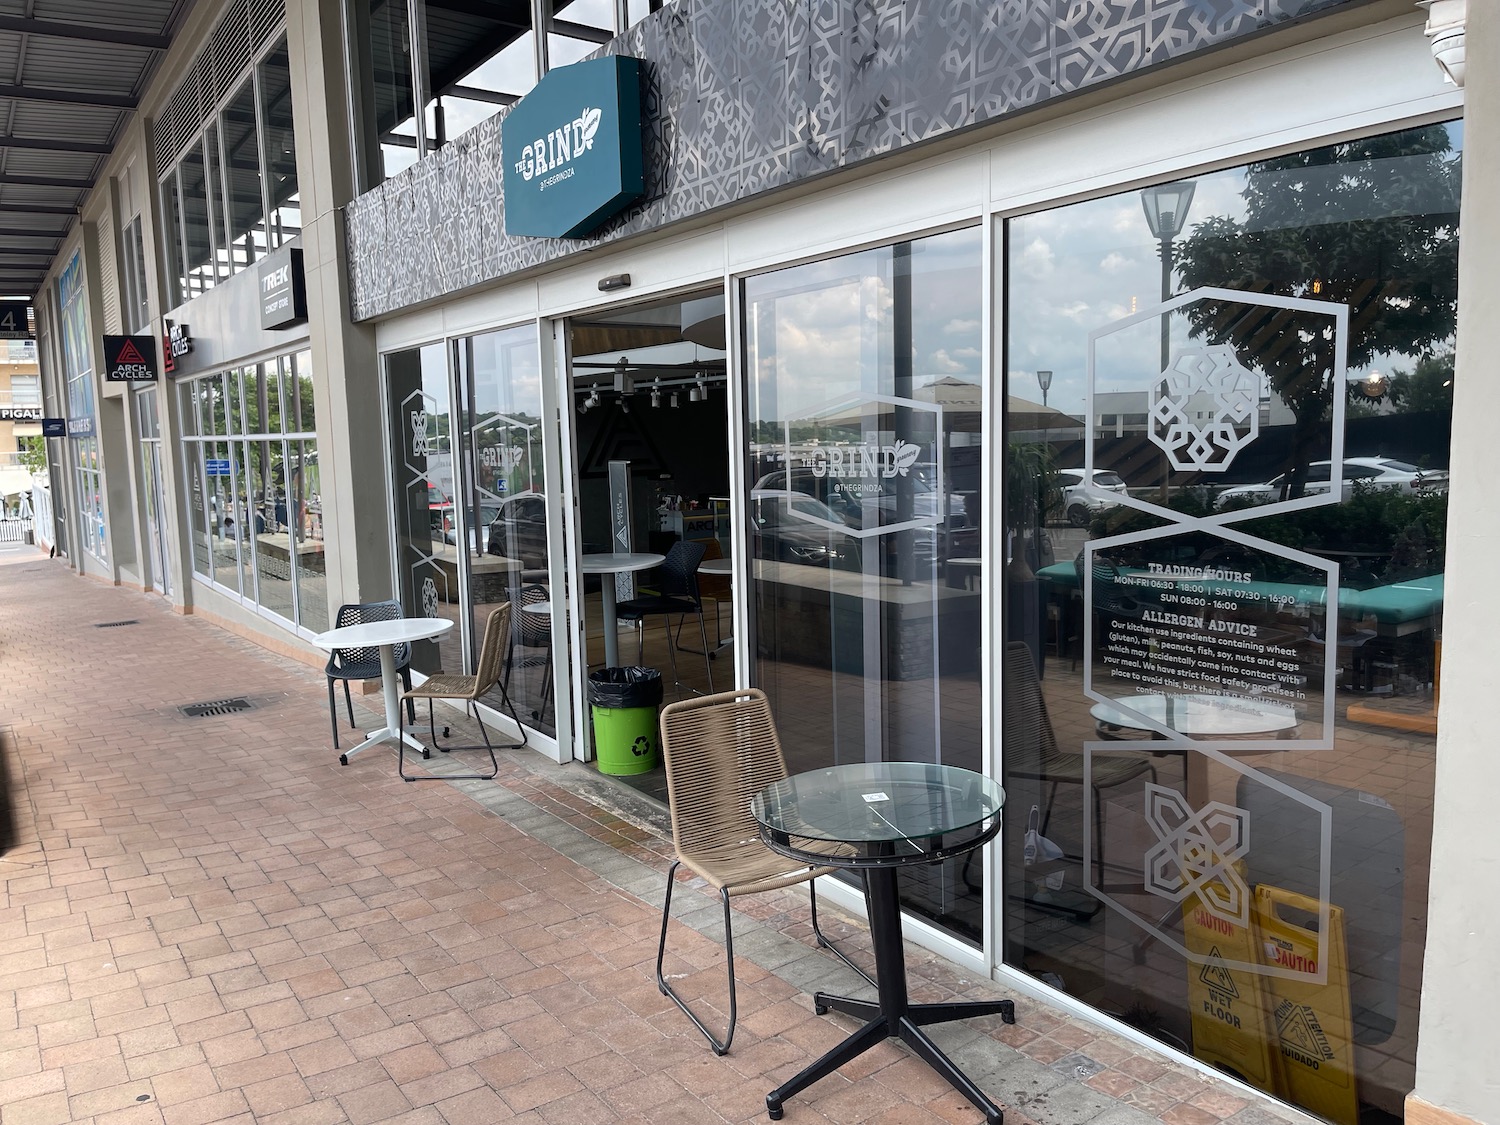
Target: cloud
955,326
1115,262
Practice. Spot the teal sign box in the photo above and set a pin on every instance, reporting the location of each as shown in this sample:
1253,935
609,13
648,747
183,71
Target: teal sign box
573,150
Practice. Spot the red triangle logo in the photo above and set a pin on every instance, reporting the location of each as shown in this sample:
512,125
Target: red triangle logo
129,353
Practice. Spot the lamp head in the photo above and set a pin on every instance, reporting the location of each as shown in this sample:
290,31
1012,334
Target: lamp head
1166,207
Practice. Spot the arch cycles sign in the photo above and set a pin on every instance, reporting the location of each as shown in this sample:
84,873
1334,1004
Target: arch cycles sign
573,150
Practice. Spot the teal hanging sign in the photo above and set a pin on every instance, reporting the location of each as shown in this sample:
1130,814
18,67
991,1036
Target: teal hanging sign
573,150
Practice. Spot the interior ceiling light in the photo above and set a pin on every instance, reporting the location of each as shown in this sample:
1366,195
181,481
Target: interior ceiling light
674,400
656,393
1374,384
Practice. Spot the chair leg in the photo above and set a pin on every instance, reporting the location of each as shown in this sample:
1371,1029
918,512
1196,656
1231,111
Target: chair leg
827,942
708,667
333,713
720,1048
411,704
349,702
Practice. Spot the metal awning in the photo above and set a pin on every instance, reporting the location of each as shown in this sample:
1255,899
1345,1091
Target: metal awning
71,73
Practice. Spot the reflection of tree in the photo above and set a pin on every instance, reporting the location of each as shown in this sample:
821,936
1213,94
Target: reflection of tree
1426,388
1370,223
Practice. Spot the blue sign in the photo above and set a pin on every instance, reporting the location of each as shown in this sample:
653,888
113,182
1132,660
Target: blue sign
54,427
216,466
573,149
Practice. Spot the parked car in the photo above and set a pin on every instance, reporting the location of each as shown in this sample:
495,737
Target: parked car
831,491
784,537
1078,505
1369,472
519,530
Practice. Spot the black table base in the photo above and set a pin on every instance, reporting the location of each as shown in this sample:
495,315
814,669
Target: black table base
893,1016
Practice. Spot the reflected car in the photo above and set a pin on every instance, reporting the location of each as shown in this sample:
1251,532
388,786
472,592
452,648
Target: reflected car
519,530
1367,472
1079,506
784,537
830,490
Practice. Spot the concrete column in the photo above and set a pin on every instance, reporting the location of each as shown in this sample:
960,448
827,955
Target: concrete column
356,517
1457,1076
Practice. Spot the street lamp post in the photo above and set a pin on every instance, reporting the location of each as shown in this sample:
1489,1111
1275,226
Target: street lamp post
1044,378
1166,207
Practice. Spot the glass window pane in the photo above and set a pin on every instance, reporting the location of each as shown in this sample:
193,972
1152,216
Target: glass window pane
246,221
1209,641
200,255
273,536
280,146
864,461
225,546
201,529
215,154
589,13
476,64
389,104
304,517
171,238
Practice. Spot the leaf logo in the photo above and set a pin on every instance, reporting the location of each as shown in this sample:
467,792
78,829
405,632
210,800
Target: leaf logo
906,456
590,121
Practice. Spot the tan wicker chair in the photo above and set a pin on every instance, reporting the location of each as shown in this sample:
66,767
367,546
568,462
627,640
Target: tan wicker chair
470,689
720,751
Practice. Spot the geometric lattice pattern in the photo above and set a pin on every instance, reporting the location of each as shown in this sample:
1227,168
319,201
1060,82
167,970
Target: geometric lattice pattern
1195,853
1204,408
754,96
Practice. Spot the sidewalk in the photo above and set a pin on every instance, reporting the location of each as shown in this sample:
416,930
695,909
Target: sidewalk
209,920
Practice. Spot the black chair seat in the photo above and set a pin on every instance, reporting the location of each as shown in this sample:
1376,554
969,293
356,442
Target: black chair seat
659,603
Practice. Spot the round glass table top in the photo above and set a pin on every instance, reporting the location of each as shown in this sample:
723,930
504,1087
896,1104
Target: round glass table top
876,807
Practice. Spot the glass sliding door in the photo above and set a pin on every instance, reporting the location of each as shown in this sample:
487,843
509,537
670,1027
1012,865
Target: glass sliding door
503,511
865,431
1228,424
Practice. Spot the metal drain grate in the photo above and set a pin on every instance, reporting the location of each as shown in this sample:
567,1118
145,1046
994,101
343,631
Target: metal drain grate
215,707
115,624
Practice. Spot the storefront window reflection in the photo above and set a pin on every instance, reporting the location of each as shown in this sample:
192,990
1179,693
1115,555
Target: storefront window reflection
865,453
1229,409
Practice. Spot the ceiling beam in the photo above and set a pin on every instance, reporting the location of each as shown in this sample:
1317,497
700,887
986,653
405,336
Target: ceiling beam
68,97
25,252
55,144
22,232
88,33
39,209
47,182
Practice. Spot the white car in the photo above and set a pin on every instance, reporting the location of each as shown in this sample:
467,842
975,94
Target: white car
1080,506
1371,472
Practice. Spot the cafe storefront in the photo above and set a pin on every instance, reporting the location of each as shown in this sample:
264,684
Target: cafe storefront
1128,490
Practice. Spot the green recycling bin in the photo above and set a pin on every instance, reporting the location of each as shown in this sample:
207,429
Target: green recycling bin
624,703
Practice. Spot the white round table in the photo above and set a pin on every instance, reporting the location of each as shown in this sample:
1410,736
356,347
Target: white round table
385,635
716,566
1199,716
612,563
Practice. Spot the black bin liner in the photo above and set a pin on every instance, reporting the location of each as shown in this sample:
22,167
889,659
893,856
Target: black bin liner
619,688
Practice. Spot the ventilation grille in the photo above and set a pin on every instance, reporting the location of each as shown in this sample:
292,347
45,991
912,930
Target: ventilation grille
215,707
115,624
222,64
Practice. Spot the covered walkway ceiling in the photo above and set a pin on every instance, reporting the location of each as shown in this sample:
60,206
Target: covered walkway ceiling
71,73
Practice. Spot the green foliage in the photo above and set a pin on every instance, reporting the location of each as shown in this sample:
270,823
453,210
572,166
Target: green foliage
34,454
1031,491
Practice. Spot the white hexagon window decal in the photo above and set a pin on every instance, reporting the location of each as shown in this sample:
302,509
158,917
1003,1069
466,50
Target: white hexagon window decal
1203,407
1204,439
855,464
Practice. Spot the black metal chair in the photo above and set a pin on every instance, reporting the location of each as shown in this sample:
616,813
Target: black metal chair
529,630
363,663
677,593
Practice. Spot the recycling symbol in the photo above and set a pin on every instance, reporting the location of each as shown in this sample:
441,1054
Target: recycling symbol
641,746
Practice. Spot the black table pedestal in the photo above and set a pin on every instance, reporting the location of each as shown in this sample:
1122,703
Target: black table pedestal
893,1016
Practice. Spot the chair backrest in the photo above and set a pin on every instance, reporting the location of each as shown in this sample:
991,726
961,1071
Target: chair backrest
358,613
492,649
531,630
679,570
1026,729
719,750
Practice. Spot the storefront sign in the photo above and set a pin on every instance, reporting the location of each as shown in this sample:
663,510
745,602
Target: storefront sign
175,343
573,149
129,359
216,466
81,427
283,290
20,413
54,427
14,321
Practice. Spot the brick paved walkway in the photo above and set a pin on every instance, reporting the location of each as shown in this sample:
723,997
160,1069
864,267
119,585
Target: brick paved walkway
209,920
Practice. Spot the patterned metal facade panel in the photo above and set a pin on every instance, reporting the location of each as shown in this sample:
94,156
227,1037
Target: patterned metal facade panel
748,96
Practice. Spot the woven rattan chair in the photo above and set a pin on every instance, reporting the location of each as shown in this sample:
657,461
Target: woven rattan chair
720,751
363,663
1030,748
470,689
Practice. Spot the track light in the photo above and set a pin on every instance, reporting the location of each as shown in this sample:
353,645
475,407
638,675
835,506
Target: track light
593,399
656,393
624,405
674,400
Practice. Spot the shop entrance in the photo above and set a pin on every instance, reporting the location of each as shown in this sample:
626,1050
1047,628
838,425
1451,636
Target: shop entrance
650,419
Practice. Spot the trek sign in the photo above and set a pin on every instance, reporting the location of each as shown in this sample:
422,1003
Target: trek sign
573,150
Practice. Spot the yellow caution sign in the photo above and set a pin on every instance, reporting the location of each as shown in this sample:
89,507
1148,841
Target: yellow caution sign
1313,1026
1231,1025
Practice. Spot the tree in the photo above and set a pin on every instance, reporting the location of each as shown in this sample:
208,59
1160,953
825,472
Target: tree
1426,388
1371,224
34,454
